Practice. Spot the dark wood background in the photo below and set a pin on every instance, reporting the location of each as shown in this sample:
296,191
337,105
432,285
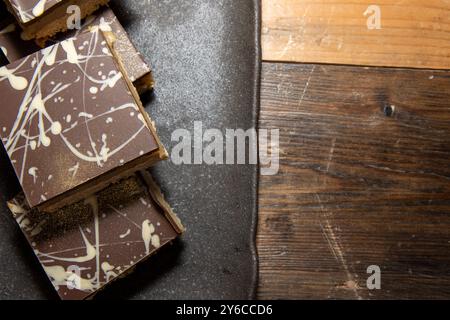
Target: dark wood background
364,180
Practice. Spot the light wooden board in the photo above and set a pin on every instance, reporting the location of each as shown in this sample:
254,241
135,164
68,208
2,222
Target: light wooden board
414,33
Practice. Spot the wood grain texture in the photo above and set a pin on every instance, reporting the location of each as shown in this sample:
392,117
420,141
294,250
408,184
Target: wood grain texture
414,33
364,180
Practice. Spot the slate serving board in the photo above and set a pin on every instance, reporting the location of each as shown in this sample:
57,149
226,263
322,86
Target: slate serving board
206,60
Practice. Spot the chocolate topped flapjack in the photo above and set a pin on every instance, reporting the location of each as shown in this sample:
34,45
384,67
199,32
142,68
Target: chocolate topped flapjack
28,10
40,19
111,233
72,122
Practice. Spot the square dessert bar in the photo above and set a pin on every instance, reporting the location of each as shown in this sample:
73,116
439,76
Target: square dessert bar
86,246
72,122
41,19
15,48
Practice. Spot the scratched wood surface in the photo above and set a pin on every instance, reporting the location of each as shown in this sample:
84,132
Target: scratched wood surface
364,180
414,33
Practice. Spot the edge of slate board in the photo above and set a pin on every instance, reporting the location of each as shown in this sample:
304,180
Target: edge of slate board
257,98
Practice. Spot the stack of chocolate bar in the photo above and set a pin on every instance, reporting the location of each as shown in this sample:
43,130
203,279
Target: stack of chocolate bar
80,142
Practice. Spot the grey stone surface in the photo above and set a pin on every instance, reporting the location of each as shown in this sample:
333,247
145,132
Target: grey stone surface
206,60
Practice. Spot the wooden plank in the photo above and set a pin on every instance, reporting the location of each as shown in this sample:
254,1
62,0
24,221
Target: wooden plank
414,33
364,180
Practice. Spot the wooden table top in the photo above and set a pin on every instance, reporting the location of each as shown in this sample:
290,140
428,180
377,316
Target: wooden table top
364,175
